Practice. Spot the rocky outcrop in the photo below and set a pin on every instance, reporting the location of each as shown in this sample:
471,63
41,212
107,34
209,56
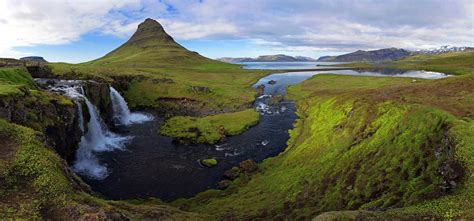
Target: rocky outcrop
51,114
122,82
99,94
40,71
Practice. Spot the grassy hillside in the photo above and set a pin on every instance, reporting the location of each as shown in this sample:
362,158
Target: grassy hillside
368,144
12,80
151,47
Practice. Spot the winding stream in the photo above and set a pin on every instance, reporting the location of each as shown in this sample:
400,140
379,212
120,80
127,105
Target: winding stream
137,162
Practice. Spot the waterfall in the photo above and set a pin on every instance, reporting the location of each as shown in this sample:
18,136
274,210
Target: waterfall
81,115
122,114
97,138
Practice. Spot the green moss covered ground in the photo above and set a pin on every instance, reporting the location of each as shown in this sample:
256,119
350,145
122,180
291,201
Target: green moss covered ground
210,129
365,144
12,80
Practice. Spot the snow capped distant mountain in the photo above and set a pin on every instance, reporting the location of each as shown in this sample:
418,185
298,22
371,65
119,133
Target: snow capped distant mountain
445,49
387,54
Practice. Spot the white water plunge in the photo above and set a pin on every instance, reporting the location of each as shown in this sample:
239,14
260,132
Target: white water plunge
122,114
97,137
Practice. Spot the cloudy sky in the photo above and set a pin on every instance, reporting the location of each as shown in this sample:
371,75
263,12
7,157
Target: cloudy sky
81,30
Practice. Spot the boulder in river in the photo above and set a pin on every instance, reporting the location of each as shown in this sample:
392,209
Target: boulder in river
248,166
272,82
211,162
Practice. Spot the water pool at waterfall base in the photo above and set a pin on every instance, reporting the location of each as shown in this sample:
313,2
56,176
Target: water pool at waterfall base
153,165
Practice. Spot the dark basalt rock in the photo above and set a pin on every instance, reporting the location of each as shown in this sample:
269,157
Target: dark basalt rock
59,122
99,94
272,82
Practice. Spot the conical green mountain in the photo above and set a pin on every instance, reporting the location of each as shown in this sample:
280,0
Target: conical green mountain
151,47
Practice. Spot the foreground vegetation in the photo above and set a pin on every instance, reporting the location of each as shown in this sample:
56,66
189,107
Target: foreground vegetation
210,129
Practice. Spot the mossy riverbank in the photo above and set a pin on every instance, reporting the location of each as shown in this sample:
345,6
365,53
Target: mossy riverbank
366,144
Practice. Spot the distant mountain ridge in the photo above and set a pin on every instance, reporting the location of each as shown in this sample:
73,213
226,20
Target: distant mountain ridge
444,49
373,56
33,58
388,54
268,58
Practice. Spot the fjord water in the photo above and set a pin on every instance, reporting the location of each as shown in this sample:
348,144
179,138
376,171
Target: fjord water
292,78
289,65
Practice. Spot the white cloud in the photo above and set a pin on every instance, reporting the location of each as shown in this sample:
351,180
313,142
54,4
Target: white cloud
279,25
187,30
33,22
